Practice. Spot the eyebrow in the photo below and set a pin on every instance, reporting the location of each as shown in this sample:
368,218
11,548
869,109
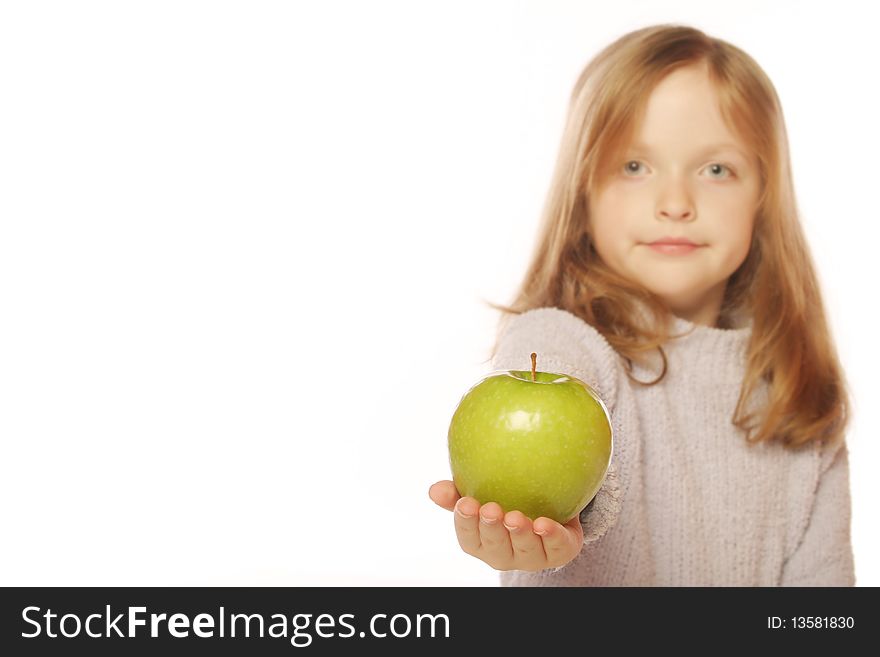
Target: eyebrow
711,148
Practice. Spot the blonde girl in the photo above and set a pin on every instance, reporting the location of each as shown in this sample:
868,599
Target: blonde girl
671,273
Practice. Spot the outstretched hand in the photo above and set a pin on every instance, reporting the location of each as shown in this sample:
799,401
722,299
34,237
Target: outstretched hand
508,541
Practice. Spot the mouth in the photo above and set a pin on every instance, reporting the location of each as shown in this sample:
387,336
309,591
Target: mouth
674,248
674,240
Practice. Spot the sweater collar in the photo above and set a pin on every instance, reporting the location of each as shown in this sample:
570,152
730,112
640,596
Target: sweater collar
710,336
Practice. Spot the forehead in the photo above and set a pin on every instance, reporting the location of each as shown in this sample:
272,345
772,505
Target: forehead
696,148
683,113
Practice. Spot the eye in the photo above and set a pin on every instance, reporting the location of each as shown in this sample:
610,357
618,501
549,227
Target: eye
629,169
717,167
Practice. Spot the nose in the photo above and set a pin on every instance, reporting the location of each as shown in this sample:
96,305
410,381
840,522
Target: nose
677,213
675,204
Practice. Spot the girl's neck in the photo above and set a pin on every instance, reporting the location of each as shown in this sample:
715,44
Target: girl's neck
707,312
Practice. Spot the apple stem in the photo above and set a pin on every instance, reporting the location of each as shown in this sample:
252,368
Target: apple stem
534,363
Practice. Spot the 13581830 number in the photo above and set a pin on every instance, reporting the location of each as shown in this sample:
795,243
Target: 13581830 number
810,622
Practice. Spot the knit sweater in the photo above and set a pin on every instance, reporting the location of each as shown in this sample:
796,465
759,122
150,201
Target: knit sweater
686,501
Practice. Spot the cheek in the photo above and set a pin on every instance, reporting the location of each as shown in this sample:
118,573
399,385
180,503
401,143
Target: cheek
606,233
737,236
609,217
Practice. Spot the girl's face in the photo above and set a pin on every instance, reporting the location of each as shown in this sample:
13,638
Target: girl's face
684,176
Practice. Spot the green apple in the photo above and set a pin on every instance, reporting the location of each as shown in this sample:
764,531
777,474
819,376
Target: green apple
536,442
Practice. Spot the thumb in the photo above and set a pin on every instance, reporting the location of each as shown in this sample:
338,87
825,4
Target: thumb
444,494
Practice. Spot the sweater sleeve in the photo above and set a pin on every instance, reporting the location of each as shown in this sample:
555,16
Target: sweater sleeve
565,344
824,556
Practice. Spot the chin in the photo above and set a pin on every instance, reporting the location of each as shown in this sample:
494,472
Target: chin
679,301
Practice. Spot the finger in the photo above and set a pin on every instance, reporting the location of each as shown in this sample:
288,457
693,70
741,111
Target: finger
575,530
527,546
467,524
495,544
559,545
443,493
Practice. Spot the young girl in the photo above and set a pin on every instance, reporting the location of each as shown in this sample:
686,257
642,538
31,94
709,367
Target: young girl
671,274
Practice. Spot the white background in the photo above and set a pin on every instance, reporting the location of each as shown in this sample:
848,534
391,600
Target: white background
244,248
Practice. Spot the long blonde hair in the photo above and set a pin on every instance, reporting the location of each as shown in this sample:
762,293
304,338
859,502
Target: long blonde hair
790,347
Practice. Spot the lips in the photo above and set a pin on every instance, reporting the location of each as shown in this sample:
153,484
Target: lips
671,245
674,248
674,240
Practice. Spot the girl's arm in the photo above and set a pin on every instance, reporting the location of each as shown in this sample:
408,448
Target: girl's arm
824,556
566,344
